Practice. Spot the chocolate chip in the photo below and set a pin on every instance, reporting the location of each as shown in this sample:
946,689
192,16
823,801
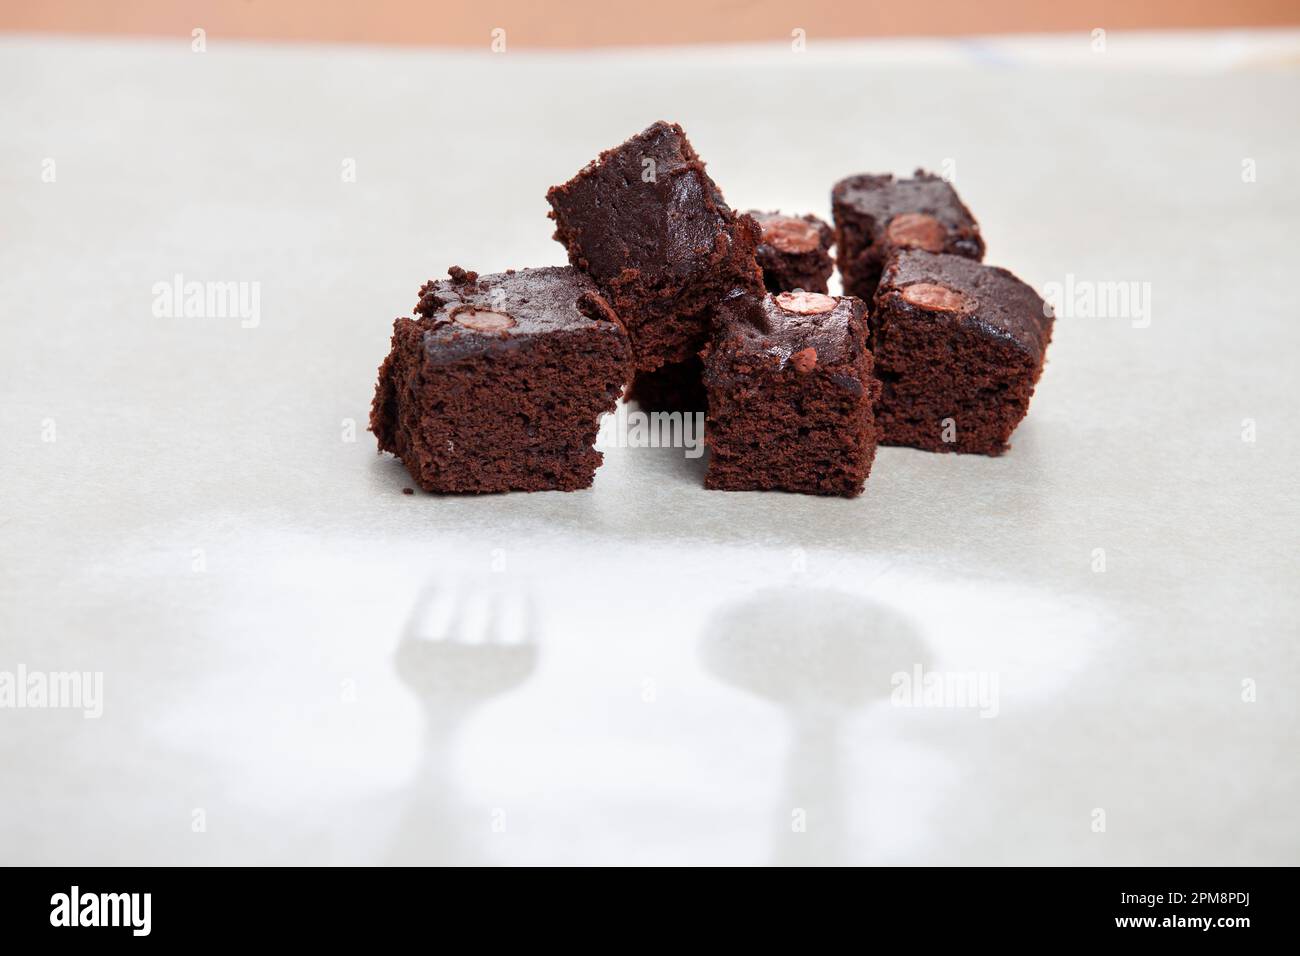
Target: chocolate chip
482,320
408,491
916,230
937,298
793,236
806,303
804,361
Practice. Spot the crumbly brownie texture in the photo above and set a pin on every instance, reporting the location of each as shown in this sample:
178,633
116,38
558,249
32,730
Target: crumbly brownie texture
958,349
499,382
790,395
794,252
675,387
649,225
878,215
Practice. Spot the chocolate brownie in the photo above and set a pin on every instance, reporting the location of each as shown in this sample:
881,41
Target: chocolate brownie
649,225
876,215
794,252
959,347
675,387
790,395
498,382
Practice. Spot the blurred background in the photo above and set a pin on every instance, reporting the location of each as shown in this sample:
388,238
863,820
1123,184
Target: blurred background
585,23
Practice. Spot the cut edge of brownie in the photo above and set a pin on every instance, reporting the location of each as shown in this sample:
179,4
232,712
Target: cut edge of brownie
498,414
959,356
782,416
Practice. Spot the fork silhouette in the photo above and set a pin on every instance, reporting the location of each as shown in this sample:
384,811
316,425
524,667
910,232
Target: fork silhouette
463,644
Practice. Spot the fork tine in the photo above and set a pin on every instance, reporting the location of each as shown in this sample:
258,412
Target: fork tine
475,619
494,613
514,619
434,614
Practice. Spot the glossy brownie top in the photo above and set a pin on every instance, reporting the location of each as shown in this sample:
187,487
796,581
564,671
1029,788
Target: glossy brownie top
923,212
793,235
467,313
952,287
646,205
799,329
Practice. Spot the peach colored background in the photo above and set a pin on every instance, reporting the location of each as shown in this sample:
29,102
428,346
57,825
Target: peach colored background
581,23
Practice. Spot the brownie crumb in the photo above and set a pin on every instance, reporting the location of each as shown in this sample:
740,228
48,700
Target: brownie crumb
408,491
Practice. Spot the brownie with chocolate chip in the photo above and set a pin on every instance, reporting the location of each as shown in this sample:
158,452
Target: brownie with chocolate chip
958,348
646,222
498,382
794,252
875,216
790,390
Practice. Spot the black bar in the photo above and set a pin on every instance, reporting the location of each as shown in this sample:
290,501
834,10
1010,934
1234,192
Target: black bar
334,906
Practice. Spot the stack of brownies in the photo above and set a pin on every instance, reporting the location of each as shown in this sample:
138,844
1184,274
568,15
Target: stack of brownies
498,382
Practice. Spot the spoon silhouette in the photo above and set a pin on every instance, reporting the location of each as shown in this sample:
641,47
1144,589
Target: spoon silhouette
817,654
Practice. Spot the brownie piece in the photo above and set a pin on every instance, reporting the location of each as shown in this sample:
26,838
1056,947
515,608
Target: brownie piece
649,225
959,347
877,215
790,395
499,381
794,252
675,387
